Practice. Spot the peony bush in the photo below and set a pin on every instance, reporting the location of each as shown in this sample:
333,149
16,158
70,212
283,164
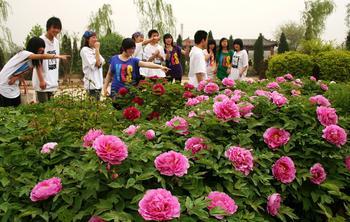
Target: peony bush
242,151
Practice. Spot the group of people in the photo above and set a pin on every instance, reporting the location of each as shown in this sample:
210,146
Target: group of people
139,58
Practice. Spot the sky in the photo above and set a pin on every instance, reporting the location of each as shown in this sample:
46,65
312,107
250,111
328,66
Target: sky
240,18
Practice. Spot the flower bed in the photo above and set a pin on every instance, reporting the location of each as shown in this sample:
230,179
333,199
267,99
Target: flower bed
238,151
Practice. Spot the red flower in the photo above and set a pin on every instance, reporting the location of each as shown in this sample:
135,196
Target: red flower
123,91
131,113
188,86
137,100
188,95
158,89
153,115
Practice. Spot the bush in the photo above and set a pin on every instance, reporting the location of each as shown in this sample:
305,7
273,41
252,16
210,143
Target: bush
110,46
93,187
315,46
300,65
334,65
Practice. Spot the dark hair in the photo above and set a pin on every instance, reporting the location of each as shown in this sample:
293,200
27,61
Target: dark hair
53,22
136,34
127,43
168,36
33,45
238,42
151,32
221,40
86,40
212,42
199,36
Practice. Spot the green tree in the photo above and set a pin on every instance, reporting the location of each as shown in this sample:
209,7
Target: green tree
2,58
230,43
100,22
76,59
347,42
210,35
36,31
66,48
183,58
156,14
347,18
5,33
259,56
110,46
294,33
315,15
315,46
283,44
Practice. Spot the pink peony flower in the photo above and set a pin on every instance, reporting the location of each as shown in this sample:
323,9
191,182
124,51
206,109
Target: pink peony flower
262,93
278,99
312,78
192,102
192,114
222,201
275,137
131,130
295,92
326,115
324,87
96,219
228,92
188,86
288,76
273,85
226,110
280,79
159,205
284,170
195,144
273,204
45,189
202,98
249,80
111,149
347,162
241,158
172,163
318,174
90,137
335,135
150,134
179,124
211,88
48,147
320,100
188,95
220,98
201,85
228,82
245,109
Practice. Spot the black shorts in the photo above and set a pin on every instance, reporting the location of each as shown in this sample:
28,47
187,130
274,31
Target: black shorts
5,102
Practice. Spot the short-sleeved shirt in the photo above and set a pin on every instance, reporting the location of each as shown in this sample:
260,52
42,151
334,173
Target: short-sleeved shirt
174,62
16,65
197,65
93,78
240,60
125,73
223,61
149,50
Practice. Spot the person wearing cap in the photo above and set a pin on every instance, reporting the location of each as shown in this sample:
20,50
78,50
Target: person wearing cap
45,76
240,61
92,63
140,42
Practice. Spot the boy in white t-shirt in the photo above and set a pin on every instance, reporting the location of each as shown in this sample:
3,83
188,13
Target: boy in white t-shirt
140,42
153,52
45,77
198,66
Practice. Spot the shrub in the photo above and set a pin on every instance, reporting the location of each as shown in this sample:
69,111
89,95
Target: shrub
334,65
91,187
300,65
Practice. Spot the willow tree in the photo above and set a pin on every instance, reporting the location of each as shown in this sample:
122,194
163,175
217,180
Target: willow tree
101,22
347,18
5,33
36,31
156,14
315,15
